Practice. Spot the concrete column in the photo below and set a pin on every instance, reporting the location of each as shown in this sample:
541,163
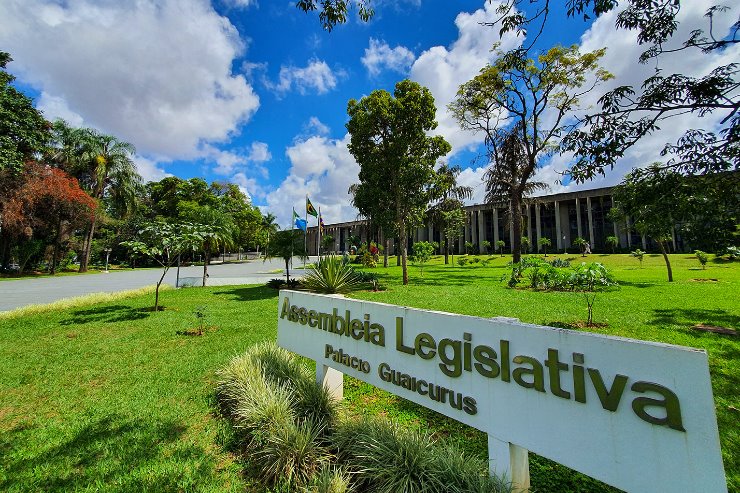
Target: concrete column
468,222
332,379
558,234
644,242
578,217
532,242
430,232
481,230
495,227
509,461
629,233
475,221
590,222
538,227
673,239
616,231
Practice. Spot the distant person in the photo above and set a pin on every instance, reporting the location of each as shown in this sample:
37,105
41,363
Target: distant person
587,249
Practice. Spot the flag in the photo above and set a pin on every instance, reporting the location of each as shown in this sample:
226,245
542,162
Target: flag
321,224
310,208
299,222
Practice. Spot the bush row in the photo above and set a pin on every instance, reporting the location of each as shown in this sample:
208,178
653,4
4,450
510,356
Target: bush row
292,436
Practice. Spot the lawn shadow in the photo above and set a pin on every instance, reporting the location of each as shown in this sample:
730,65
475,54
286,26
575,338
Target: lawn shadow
692,316
637,284
112,313
113,453
249,293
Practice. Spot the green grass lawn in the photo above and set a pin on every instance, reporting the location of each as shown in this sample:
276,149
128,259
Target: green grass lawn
109,397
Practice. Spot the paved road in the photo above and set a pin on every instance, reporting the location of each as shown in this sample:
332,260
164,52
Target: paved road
14,294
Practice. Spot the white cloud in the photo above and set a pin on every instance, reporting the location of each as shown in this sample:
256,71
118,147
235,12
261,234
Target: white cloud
379,55
443,69
323,169
54,107
241,3
317,75
259,152
148,169
155,74
317,126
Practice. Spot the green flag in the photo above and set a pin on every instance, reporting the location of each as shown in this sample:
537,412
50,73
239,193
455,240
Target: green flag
310,208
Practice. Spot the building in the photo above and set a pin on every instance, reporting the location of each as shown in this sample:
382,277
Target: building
561,217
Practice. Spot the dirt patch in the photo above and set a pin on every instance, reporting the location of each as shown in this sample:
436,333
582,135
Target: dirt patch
715,329
704,280
578,325
196,332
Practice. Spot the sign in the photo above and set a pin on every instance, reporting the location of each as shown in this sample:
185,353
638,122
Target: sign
637,415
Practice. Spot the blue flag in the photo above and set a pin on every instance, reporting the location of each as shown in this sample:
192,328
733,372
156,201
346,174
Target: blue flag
300,223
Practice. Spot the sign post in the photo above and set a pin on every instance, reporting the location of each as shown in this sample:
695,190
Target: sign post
636,415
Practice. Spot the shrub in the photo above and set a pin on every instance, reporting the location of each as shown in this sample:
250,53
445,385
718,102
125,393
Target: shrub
559,262
331,275
421,253
387,459
469,247
733,253
462,261
639,255
281,416
291,455
485,246
702,257
544,243
612,242
501,244
590,279
474,260
330,480
275,283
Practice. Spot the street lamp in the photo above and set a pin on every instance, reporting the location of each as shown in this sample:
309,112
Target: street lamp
107,254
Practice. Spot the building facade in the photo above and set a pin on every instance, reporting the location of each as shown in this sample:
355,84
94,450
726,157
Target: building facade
559,217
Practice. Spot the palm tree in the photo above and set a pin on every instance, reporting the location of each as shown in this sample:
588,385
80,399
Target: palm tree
506,182
270,226
450,197
104,168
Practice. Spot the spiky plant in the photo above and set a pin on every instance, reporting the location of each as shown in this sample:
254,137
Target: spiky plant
330,275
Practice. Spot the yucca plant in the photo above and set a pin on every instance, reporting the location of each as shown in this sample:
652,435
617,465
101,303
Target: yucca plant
330,275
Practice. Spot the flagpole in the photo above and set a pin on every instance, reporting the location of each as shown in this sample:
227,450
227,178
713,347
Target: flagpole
305,234
318,226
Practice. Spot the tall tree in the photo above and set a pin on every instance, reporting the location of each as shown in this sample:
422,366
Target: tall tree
48,205
654,199
287,244
449,197
104,166
24,132
629,113
217,229
521,106
389,139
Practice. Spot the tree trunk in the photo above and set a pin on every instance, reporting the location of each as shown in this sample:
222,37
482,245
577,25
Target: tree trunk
156,291
205,265
87,246
447,250
385,253
404,255
667,262
55,250
516,217
287,270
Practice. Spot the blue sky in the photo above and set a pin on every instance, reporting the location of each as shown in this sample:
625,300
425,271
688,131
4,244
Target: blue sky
255,92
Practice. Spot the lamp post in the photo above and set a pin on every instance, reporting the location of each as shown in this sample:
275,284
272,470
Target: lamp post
107,255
